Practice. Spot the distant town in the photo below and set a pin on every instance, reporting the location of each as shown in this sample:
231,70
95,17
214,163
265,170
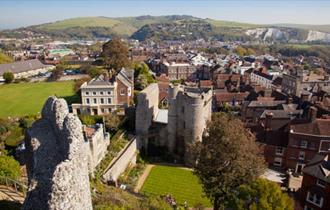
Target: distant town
165,121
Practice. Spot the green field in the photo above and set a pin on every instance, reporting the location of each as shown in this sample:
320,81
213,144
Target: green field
181,183
28,98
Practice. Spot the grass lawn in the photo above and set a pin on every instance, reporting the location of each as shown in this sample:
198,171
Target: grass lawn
28,98
182,184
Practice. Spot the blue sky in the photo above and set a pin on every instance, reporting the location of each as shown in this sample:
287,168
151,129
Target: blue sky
16,13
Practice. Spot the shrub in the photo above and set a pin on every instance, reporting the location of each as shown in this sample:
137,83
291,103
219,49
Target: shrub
8,77
9,167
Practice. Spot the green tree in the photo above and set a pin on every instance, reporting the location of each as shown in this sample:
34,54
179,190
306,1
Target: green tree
261,194
115,54
8,77
142,76
95,71
226,158
9,167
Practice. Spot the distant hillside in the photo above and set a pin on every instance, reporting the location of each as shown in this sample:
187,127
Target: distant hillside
320,28
172,27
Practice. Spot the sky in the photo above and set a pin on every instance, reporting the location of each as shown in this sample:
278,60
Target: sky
18,13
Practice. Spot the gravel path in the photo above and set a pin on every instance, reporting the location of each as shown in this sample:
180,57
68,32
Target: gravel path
143,178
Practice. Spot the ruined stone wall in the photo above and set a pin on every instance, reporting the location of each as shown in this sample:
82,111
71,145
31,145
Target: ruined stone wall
97,147
146,111
57,161
119,164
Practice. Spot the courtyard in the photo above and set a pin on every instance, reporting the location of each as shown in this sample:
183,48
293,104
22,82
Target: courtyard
179,182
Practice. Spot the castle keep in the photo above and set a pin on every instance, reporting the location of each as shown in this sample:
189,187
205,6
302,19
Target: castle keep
178,127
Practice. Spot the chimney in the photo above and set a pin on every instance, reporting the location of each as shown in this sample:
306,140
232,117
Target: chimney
312,113
269,117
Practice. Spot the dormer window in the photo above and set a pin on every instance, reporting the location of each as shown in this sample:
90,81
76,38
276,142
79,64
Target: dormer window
321,183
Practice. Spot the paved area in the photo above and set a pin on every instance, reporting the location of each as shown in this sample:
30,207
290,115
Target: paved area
143,178
10,194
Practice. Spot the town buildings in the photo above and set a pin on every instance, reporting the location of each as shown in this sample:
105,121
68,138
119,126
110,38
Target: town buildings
315,189
103,95
24,69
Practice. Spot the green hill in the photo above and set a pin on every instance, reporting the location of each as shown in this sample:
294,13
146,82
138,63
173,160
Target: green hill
5,58
175,27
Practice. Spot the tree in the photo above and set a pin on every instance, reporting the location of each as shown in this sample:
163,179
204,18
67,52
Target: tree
226,158
95,71
57,73
241,51
261,194
112,121
8,77
79,82
9,167
142,76
115,54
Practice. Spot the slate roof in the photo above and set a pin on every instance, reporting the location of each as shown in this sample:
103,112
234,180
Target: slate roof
99,81
21,66
265,103
319,167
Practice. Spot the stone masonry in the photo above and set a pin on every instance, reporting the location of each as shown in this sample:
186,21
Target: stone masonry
57,161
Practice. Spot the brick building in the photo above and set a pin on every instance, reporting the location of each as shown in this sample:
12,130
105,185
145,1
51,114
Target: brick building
306,140
315,191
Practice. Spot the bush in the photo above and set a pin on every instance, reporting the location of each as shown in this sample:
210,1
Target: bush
8,77
9,167
90,120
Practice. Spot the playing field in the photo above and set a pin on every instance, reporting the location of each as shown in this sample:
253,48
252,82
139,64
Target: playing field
181,183
28,98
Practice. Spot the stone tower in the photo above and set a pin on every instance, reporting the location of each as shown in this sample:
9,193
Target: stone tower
57,161
189,110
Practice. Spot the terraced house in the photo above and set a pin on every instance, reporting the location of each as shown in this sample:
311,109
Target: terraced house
103,95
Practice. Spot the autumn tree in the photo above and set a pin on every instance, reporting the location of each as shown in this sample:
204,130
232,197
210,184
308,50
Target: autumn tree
226,158
112,121
261,194
8,77
115,54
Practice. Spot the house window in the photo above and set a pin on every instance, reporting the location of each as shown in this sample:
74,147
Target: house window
87,100
101,92
278,161
109,92
109,100
87,93
320,183
301,155
314,199
95,101
122,91
102,101
279,151
102,110
94,93
303,144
